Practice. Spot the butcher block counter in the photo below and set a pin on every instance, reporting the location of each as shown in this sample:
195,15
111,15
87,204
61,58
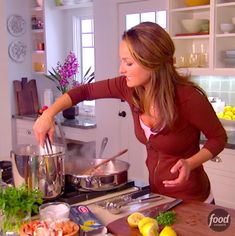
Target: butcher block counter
192,216
192,220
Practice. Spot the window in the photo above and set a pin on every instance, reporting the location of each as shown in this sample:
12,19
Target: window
158,17
83,44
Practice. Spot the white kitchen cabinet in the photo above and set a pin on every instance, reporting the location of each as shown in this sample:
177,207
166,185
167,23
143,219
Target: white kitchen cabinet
223,14
222,178
24,132
25,135
208,46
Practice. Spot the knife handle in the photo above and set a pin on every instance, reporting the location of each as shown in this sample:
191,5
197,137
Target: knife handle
162,208
170,205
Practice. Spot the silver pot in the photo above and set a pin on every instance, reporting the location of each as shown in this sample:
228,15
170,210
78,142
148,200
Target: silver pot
109,176
31,165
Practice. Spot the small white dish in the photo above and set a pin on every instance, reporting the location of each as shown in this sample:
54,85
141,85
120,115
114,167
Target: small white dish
54,211
226,27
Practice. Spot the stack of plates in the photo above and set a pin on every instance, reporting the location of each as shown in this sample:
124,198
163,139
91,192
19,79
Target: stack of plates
229,58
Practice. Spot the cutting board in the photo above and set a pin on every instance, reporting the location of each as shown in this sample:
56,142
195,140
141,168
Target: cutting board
26,96
191,221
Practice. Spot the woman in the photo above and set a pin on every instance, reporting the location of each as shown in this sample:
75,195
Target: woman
169,113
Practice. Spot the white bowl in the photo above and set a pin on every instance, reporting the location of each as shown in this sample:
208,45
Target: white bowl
226,27
193,25
54,211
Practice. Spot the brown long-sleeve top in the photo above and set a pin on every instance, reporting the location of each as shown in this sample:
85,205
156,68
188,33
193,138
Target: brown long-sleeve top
165,148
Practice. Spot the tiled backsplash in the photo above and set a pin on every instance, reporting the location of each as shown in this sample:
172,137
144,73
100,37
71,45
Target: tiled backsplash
218,86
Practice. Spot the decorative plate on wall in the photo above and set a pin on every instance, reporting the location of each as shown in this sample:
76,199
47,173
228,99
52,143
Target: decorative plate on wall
16,25
17,51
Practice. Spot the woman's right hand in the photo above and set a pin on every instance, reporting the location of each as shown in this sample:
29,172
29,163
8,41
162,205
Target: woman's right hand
44,125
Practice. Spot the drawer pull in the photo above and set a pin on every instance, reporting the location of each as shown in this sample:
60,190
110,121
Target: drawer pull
216,159
29,132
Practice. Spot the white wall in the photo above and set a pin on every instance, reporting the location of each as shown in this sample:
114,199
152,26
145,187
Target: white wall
106,66
10,70
5,111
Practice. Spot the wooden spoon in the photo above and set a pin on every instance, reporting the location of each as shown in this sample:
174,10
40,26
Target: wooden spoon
89,170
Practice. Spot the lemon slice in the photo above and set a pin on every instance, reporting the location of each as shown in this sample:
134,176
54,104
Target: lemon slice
167,231
150,229
144,221
134,218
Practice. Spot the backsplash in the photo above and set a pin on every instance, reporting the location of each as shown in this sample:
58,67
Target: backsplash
218,86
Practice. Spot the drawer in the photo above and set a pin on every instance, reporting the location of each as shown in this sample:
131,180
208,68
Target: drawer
223,187
227,163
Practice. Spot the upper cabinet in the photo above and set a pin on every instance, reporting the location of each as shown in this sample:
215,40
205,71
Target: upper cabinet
201,46
224,36
51,32
38,39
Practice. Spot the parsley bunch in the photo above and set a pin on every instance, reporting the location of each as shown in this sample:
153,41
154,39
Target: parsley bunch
166,218
17,203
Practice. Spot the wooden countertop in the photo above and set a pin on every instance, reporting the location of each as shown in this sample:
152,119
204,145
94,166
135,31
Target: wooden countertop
192,220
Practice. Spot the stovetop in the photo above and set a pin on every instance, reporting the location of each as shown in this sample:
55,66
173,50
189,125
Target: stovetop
73,196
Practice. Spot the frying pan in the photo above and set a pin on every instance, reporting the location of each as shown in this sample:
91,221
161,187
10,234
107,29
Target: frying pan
110,175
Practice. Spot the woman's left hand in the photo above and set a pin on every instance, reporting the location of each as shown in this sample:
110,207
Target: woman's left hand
183,168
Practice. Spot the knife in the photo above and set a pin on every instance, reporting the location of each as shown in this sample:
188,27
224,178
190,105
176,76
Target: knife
162,208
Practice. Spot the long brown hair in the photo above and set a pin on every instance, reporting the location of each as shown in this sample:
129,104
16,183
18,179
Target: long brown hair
152,48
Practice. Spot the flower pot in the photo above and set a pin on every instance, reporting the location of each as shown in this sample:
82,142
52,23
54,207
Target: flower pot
71,112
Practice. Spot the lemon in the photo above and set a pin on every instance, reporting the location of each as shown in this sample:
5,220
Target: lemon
144,221
150,229
167,231
227,108
227,117
228,113
134,218
233,110
220,114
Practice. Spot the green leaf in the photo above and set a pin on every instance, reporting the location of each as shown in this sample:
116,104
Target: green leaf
166,218
16,202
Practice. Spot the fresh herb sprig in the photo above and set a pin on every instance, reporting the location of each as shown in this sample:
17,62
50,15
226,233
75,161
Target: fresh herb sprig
166,218
16,203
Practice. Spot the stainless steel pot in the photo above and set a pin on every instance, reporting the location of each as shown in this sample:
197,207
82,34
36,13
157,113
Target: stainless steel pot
31,165
109,176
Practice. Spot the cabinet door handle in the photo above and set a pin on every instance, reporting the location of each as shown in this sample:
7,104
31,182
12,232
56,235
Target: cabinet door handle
216,159
122,113
29,132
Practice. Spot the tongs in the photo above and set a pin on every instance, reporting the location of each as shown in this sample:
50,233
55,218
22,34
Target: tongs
48,145
115,207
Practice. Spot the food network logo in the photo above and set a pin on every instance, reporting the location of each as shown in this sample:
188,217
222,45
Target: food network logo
219,220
